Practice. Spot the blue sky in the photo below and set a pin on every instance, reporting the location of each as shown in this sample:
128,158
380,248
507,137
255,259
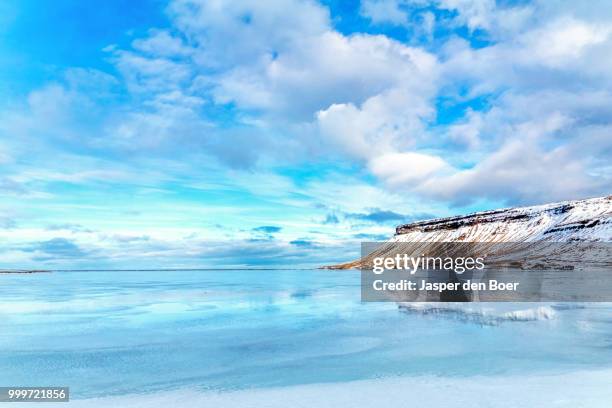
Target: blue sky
191,133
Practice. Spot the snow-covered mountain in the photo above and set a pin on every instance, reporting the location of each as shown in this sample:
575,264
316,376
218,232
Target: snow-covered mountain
580,220
568,222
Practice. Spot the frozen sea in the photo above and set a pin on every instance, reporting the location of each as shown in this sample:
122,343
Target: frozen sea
291,338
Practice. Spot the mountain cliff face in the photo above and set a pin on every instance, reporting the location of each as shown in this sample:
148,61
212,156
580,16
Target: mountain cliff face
585,221
580,220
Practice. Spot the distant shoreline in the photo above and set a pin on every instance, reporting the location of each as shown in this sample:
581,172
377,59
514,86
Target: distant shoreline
25,271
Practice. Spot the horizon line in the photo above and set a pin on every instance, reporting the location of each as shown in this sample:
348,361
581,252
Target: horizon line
153,269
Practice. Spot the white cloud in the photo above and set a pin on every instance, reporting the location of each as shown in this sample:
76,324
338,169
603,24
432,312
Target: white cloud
408,168
564,40
404,126
294,88
230,33
144,73
472,13
51,104
372,99
365,93
353,195
384,124
323,70
384,11
162,44
467,132
520,172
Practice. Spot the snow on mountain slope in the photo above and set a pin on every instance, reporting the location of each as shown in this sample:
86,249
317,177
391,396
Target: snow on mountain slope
580,220
568,222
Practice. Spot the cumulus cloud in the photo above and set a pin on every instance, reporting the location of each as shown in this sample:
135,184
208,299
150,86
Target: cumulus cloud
272,102
406,168
324,70
291,82
295,82
161,43
519,171
384,11
475,14
286,68
542,73
564,40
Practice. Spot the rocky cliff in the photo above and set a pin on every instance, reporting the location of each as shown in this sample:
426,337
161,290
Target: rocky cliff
565,222
584,220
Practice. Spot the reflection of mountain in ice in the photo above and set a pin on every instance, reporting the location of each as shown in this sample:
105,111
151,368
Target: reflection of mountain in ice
113,333
567,235
483,313
571,221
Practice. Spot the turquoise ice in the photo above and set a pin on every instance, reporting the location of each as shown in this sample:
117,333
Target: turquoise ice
116,333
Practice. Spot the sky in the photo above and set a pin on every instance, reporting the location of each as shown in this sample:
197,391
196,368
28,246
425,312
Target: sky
193,133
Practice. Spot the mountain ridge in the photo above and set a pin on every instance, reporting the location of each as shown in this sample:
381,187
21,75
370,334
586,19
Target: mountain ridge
587,220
